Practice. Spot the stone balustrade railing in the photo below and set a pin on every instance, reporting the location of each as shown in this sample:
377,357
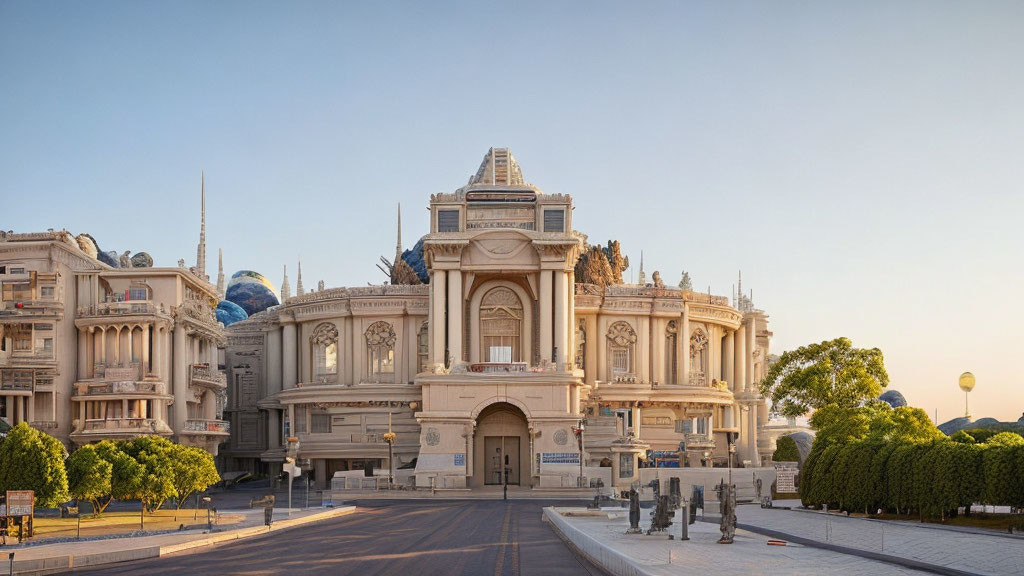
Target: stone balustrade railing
197,425
498,367
119,309
209,376
698,441
122,388
134,424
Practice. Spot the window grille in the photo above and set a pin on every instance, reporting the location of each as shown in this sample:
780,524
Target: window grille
554,221
447,220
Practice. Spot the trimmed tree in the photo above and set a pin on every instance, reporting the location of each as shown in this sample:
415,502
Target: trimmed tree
786,450
89,478
33,460
156,455
818,375
194,470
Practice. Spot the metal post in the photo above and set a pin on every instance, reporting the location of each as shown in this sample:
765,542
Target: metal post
79,535
307,490
289,494
142,516
685,521
11,557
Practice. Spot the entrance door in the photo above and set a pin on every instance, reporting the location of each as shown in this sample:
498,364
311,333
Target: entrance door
502,457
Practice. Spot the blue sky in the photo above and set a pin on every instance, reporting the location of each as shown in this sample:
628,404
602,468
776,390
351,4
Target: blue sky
860,163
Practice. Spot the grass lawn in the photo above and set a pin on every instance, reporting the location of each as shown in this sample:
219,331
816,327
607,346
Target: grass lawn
121,522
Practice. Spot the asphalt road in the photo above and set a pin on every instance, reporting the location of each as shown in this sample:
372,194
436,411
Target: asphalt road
400,537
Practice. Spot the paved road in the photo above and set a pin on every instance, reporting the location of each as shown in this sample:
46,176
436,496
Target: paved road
407,538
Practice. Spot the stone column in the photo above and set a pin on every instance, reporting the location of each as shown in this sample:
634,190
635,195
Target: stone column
274,355
180,379
561,318
684,347
30,414
455,306
83,355
730,359
437,315
740,364
545,315
749,354
291,420
657,351
636,421
570,350
145,350
81,416
103,346
289,357
131,345
274,429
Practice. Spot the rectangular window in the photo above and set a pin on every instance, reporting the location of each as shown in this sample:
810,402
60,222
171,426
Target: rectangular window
300,419
554,221
23,341
620,361
138,293
46,347
46,292
17,270
321,424
447,220
684,426
17,291
702,426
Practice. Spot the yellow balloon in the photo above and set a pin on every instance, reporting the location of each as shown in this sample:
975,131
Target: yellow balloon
967,381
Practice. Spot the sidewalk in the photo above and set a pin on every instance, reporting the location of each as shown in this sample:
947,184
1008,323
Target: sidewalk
953,549
32,559
605,542
485,493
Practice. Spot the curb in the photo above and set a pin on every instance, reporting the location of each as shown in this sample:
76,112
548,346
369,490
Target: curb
600,555
66,562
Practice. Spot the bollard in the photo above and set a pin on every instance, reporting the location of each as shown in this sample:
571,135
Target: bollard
11,556
268,516
685,522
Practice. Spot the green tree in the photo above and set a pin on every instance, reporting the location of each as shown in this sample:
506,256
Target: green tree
89,478
32,460
1005,439
786,450
963,438
818,375
194,470
156,455
126,473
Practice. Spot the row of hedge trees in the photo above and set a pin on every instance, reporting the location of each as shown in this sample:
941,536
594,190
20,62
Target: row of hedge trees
871,458
150,469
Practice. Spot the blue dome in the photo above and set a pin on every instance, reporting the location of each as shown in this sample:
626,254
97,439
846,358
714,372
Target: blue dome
252,291
228,313
414,258
893,398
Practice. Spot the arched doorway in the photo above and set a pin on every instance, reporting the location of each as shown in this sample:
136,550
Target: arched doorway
501,445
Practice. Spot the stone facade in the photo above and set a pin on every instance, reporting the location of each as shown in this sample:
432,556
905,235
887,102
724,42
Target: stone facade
489,368
90,352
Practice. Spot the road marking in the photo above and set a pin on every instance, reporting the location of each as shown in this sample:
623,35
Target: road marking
504,540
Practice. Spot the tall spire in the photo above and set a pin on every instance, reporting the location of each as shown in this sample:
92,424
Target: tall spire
220,273
642,278
398,245
298,283
286,287
201,249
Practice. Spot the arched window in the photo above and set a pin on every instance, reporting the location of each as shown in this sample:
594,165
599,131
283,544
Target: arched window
325,351
501,326
621,345
423,347
380,352
671,359
698,358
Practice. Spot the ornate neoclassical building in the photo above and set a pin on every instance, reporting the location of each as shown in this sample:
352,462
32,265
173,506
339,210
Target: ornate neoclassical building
487,359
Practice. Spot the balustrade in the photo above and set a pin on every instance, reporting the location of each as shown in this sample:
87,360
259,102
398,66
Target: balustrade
216,426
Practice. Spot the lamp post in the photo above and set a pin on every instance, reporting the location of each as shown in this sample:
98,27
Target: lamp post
578,432
390,439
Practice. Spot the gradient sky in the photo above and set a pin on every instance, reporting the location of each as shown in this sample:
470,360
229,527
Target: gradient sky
861,163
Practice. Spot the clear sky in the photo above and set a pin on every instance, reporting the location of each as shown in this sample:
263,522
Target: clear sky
860,162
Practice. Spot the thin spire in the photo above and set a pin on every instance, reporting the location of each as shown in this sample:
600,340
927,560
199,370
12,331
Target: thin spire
201,249
398,245
298,283
286,287
220,273
642,278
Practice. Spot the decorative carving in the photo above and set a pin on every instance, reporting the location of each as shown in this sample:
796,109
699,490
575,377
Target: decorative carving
380,334
656,278
622,334
432,437
698,342
324,334
561,437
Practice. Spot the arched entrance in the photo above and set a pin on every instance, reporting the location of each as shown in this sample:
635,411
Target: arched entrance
501,445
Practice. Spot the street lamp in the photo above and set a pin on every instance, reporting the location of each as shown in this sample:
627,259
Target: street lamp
578,432
389,437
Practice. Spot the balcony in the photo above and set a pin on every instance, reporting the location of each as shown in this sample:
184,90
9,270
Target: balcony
43,424
698,442
498,367
132,425
25,310
17,381
125,388
204,375
221,427
129,308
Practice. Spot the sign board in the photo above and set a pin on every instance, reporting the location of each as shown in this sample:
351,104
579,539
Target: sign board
560,458
785,477
20,502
